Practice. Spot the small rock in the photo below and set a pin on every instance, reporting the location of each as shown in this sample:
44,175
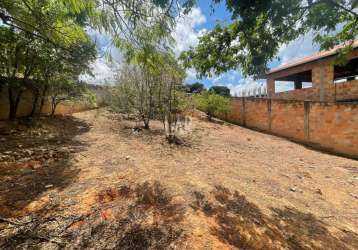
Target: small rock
127,157
178,200
34,164
293,189
353,195
49,186
25,159
27,171
318,191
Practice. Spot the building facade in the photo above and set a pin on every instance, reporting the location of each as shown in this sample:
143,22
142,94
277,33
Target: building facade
316,78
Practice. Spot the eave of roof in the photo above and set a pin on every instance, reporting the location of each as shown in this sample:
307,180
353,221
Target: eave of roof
310,58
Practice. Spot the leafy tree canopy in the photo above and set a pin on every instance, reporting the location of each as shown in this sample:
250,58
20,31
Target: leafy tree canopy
64,20
57,22
220,90
196,87
259,28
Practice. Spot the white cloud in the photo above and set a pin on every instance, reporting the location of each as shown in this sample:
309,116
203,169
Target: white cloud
103,69
103,72
239,86
190,75
230,77
186,32
298,48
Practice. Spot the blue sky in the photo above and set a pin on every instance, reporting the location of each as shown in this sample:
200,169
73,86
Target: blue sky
187,32
233,79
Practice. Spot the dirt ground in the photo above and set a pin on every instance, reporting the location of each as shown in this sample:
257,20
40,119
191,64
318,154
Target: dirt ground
93,182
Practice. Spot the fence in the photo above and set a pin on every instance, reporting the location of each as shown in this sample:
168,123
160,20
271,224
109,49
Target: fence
325,125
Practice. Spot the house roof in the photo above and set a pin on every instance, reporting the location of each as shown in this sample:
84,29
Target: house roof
310,58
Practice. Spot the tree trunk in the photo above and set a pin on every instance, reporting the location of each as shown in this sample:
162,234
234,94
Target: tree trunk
12,112
43,96
146,123
53,109
13,103
171,139
34,103
210,116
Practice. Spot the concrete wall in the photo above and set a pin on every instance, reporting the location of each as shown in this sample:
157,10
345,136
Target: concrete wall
25,106
324,125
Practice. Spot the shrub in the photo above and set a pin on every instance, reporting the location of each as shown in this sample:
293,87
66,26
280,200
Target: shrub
212,104
220,90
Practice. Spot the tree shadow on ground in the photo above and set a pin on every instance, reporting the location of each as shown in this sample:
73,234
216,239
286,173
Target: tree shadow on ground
36,157
241,224
141,217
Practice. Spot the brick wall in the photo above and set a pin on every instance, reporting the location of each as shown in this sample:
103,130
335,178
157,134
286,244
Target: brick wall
324,125
256,115
236,115
299,94
334,126
287,119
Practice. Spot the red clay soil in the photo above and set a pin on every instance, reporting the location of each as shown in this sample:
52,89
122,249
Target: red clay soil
93,182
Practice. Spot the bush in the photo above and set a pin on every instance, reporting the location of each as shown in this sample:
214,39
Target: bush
220,90
212,104
195,87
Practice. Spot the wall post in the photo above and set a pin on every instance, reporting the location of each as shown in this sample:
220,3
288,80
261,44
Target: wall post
269,119
307,108
243,112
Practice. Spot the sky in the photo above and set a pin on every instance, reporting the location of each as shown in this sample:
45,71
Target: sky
186,34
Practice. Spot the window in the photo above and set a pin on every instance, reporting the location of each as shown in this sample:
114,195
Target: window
300,80
347,72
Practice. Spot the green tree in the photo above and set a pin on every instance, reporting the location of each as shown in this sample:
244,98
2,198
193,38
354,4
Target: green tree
213,105
17,64
153,94
60,70
64,89
149,60
259,28
57,21
196,87
173,103
27,62
220,90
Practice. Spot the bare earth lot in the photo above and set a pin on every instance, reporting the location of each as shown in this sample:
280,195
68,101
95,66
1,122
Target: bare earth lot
91,182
